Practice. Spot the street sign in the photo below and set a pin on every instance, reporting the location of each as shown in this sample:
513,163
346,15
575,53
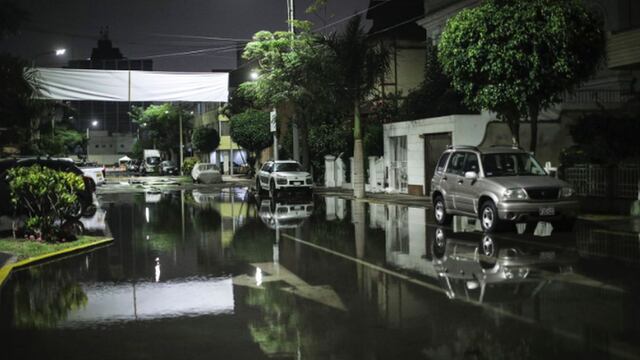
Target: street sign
273,120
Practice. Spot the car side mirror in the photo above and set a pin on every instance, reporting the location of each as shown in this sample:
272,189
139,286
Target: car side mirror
471,175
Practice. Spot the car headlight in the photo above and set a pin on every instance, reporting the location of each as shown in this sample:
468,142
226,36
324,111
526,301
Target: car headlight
567,192
281,181
515,194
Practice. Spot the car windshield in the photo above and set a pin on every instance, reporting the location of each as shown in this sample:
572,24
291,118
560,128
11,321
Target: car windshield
167,163
153,160
288,167
511,164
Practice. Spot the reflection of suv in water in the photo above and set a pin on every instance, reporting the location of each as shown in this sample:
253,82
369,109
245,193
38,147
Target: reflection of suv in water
275,176
499,184
482,269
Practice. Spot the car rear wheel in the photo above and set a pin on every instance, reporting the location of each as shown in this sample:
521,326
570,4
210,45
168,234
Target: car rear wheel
440,211
489,219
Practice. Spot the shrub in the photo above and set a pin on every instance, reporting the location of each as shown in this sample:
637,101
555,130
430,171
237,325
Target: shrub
188,164
48,197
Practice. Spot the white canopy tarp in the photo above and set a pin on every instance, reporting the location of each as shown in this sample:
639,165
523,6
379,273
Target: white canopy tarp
131,85
124,159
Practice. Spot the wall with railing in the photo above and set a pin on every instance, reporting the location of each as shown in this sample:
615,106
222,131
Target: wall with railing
615,186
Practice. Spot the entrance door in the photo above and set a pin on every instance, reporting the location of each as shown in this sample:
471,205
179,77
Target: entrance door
434,145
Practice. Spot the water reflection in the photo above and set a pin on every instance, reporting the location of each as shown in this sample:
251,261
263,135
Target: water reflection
343,279
492,269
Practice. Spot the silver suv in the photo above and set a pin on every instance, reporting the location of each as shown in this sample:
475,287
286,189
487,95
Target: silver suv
499,184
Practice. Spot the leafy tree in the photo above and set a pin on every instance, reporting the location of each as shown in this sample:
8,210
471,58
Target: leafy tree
205,139
360,65
435,96
517,57
293,77
251,130
159,126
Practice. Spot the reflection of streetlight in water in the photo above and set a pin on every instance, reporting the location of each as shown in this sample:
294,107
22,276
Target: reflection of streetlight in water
157,268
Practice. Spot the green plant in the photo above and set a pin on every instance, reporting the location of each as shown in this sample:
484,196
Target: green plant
49,197
250,130
188,164
517,58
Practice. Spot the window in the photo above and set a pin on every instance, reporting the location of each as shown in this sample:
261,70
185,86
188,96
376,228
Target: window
456,165
442,162
511,164
288,167
471,163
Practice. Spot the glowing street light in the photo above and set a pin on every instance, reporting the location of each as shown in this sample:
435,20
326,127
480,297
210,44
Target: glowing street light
254,75
94,123
60,52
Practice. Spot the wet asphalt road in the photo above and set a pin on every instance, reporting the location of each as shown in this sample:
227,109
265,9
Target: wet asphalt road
218,273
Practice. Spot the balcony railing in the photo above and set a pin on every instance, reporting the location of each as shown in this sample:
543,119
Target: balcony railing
600,96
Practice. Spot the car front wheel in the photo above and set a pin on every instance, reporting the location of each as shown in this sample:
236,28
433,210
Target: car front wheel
440,211
489,216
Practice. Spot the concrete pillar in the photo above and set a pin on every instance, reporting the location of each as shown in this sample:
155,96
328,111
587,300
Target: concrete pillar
329,171
373,181
339,172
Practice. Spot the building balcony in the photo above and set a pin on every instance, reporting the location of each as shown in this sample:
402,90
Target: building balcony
623,50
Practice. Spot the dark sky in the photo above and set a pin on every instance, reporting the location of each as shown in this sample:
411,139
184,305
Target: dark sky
159,29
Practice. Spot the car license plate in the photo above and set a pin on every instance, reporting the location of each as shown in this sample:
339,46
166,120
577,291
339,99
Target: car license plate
547,211
296,182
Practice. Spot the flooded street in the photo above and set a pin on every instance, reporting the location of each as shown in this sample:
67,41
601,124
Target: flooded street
204,274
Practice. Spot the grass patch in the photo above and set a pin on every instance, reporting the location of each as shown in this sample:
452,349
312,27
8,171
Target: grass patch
24,249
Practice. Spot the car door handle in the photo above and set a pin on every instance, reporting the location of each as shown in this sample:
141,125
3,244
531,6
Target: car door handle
460,182
445,178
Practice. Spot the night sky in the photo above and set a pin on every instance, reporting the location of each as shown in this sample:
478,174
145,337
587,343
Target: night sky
163,30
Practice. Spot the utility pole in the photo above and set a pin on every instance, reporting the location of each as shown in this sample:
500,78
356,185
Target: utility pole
296,134
181,144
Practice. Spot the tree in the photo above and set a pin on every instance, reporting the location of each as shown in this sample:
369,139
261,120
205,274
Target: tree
159,126
360,65
205,139
250,130
517,57
293,77
435,96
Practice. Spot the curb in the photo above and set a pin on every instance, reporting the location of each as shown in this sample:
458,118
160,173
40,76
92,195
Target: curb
5,271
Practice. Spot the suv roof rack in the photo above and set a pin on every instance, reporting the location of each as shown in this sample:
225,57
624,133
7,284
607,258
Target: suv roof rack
462,147
511,146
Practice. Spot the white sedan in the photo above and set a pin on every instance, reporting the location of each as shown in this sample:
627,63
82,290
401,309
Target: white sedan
275,176
204,173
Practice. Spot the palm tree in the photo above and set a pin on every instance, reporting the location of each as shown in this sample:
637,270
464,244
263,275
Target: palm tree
361,64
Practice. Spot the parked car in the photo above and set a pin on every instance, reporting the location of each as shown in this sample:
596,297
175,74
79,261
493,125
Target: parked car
499,184
86,197
95,172
168,167
206,173
283,175
133,166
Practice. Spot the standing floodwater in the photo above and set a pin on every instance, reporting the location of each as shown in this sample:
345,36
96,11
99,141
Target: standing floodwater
220,274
